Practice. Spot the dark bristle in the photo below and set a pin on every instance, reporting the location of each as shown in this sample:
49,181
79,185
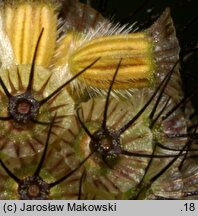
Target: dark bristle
151,116
172,149
187,150
43,87
7,118
80,185
140,185
66,83
53,184
153,179
31,77
105,161
160,114
108,95
13,89
83,126
133,154
164,198
192,127
40,122
37,171
193,136
164,84
5,89
20,83
190,194
15,178
183,102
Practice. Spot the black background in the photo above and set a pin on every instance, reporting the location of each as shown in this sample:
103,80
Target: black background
183,13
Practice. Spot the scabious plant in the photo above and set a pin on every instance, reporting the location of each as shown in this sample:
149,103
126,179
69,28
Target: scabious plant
91,109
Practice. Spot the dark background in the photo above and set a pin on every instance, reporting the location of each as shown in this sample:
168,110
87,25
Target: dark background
145,12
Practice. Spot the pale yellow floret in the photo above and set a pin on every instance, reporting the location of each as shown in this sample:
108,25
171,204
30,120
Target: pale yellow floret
135,50
23,23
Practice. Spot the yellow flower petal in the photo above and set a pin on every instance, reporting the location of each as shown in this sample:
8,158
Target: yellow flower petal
23,23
